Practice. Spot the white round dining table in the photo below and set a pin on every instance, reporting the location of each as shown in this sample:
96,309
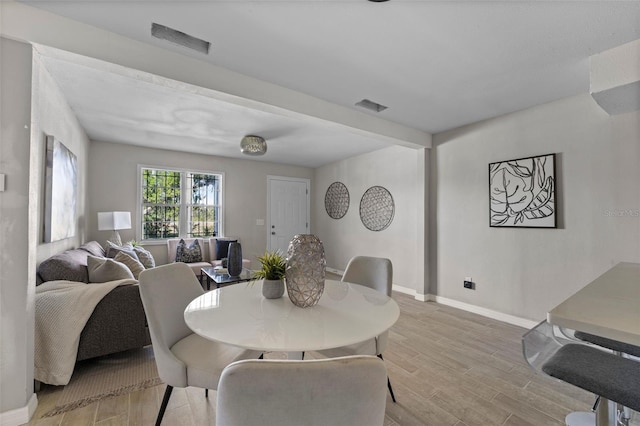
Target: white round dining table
239,315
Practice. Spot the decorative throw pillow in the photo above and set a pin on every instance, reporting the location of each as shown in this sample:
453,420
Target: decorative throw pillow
113,249
102,270
134,265
188,254
94,248
222,248
70,265
145,257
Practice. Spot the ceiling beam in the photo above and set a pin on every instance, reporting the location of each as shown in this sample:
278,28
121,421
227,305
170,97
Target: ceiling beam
32,25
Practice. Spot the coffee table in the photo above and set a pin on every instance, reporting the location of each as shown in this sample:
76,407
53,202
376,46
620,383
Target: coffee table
220,276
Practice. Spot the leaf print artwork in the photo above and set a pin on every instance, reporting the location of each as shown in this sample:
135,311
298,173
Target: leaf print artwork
522,192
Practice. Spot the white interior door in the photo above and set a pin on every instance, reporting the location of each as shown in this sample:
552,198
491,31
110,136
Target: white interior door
288,210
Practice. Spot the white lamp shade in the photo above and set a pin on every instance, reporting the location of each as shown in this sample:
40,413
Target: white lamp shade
111,221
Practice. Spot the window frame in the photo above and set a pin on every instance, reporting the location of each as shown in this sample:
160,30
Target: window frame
182,225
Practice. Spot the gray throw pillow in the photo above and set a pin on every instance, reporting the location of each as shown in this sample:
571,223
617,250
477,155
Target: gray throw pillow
222,248
113,249
145,257
70,265
188,254
134,265
102,270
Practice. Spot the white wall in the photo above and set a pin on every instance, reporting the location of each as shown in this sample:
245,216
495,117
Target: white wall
52,115
113,186
395,168
16,360
32,107
525,272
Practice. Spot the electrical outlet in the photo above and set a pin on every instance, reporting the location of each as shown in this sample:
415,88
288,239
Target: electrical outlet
468,284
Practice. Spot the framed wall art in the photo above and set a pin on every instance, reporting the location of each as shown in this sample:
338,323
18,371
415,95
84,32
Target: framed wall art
376,208
336,200
61,179
522,193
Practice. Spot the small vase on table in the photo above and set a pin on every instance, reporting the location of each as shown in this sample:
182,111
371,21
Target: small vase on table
234,261
272,289
305,270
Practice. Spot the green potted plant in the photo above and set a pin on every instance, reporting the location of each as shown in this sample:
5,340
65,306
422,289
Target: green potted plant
272,270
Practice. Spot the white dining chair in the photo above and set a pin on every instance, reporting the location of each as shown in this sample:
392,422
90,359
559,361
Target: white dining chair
376,273
337,391
183,358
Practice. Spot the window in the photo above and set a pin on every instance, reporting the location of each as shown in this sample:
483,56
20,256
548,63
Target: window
178,203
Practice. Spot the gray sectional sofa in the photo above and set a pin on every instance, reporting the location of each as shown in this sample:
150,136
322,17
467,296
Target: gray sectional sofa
118,322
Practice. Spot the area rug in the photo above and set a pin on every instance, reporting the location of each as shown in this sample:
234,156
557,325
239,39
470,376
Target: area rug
108,376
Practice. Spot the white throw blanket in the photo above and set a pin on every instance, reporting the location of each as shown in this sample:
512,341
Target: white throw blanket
62,310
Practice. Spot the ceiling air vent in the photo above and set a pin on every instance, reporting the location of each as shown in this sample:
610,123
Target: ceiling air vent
178,37
370,105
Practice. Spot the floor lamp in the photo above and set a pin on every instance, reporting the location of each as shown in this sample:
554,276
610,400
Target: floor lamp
114,221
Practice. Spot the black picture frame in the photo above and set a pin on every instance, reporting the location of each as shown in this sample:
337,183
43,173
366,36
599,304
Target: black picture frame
522,193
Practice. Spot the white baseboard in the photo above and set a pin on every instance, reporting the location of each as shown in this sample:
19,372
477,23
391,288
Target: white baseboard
21,415
489,313
410,292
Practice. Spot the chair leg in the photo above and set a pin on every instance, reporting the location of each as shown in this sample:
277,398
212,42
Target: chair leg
206,393
261,356
393,397
163,406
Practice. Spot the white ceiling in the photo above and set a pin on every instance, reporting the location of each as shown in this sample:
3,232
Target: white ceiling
436,65
117,104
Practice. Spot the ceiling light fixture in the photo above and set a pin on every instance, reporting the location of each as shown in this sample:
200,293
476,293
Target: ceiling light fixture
370,105
253,145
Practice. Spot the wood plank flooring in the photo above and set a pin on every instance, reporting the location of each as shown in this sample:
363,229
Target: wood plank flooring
448,368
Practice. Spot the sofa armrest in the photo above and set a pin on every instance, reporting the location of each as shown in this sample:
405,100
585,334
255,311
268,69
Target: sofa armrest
118,323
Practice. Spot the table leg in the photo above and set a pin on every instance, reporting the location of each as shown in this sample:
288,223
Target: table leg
602,412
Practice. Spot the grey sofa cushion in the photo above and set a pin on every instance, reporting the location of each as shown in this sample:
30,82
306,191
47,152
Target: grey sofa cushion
70,265
94,248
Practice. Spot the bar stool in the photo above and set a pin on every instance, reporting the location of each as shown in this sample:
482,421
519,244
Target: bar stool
609,376
621,349
542,348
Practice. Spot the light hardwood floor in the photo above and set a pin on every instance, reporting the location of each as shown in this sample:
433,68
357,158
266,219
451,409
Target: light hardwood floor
448,368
